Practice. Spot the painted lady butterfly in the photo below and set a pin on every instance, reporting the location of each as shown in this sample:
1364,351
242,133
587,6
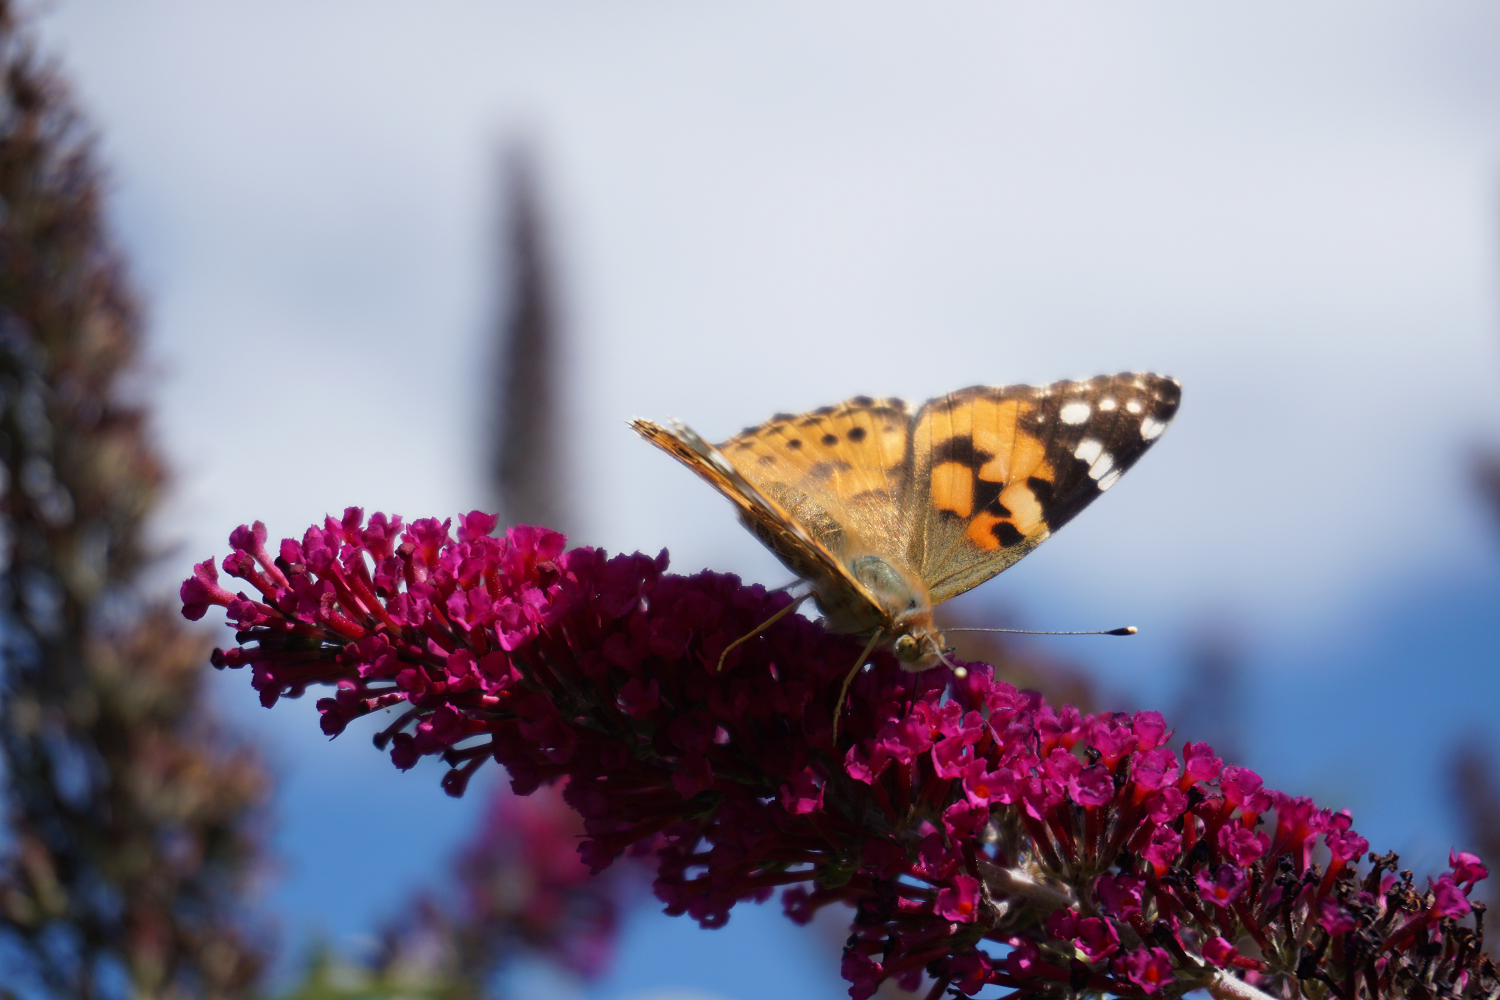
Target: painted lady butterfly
886,514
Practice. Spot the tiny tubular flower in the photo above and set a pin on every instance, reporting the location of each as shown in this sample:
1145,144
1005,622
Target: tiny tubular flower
1218,951
1097,939
960,900
1148,968
1223,886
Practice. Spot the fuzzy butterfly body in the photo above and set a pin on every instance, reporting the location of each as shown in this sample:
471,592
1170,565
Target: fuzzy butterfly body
886,513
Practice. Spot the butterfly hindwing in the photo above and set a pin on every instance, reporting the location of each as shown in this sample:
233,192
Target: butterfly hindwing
1004,467
843,472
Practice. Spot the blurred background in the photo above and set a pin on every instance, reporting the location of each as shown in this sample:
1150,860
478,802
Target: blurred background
335,215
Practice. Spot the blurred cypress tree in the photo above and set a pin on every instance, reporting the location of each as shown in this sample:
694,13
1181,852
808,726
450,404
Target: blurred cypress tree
528,454
130,814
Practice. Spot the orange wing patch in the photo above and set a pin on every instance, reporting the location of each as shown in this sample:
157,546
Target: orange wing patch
953,489
855,447
978,461
838,469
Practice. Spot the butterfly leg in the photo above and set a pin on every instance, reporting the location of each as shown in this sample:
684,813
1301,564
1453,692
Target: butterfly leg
761,628
838,708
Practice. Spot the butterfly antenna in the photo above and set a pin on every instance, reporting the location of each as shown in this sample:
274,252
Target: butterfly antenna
1123,630
959,672
761,628
838,708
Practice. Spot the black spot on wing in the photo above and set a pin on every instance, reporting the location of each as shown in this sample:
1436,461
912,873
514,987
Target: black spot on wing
862,401
829,440
1006,534
960,449
987,497
794,443
856,434
1042,490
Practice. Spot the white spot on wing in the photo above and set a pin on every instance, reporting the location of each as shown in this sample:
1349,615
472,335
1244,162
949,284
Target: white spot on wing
1110,478
1134,406
1107,403
1088,450
1101,467
1075,412
1151,429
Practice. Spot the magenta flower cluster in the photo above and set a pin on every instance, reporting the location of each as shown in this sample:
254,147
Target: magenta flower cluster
980,835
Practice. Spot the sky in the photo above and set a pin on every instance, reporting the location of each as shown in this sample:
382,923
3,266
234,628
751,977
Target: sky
1290,207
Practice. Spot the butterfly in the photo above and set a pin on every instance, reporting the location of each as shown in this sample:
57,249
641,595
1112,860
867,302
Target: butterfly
886,514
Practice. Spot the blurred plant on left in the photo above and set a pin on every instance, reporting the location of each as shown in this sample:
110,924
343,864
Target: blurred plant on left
131,816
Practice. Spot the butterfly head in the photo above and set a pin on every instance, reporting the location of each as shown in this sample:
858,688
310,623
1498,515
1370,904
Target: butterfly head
920,647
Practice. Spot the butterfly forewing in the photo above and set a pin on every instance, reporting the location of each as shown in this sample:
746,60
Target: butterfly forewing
843,472
999,469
